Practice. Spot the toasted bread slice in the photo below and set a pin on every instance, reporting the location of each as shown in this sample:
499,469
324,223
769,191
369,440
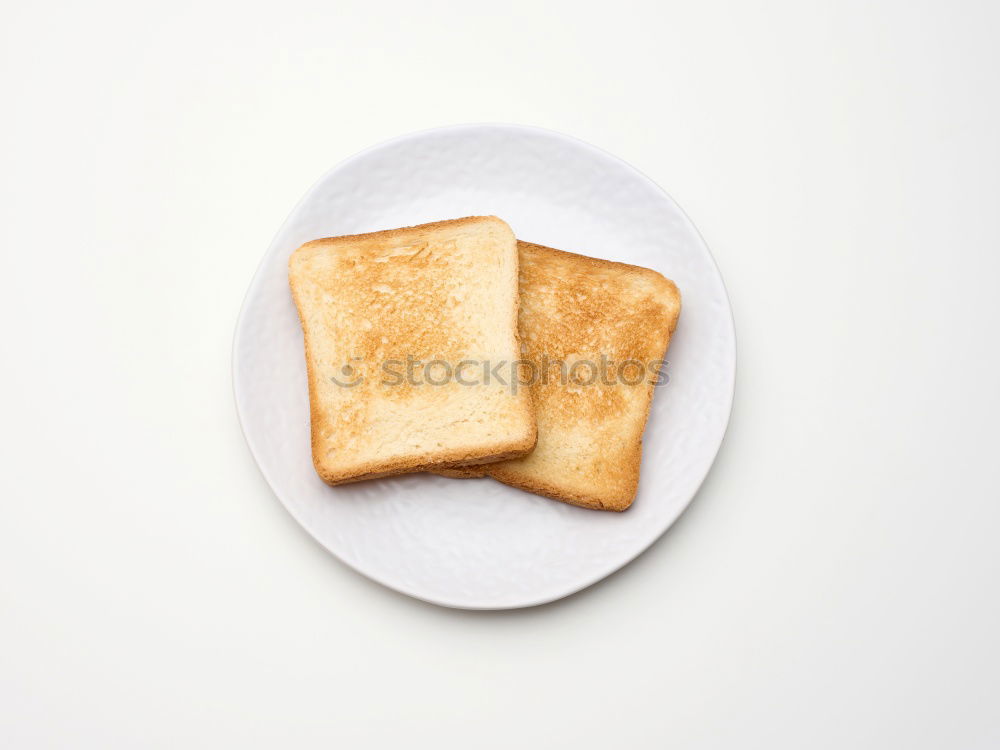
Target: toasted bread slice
375,310
581,320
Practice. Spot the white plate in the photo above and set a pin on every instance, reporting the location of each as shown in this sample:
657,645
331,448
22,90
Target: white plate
476,543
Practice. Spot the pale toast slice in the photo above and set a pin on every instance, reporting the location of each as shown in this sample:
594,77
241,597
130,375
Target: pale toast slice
369,305
578,316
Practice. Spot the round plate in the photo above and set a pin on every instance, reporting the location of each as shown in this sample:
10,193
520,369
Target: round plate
476,543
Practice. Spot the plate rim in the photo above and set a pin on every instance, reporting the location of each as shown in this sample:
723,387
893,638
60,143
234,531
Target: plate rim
395,586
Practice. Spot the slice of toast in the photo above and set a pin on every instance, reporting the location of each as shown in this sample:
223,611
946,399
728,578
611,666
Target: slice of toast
581,320
385,316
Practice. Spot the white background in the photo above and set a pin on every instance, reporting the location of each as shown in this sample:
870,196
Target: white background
834,584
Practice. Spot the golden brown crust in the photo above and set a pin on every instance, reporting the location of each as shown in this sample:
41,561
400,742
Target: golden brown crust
386,234
407,333
461,472
458,462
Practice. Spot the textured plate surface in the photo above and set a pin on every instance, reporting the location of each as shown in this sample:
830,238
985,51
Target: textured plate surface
477,543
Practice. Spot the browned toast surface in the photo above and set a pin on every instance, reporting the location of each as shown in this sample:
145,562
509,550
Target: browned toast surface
369,305
596,332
